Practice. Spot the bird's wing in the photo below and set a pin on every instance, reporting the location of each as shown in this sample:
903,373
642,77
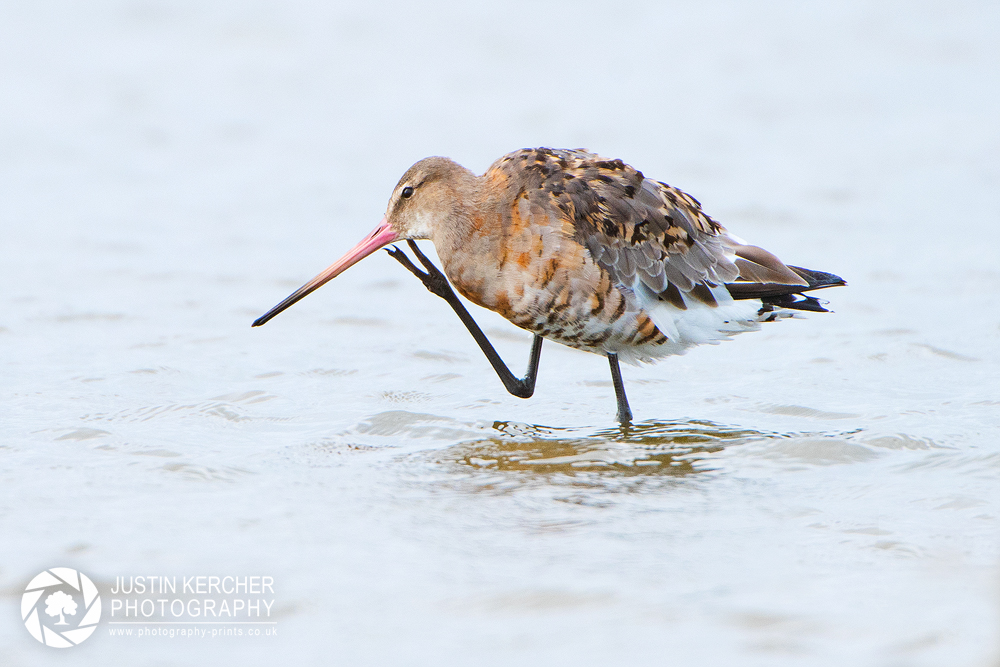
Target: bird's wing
647,235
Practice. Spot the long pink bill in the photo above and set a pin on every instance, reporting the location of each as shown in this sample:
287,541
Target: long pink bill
381,236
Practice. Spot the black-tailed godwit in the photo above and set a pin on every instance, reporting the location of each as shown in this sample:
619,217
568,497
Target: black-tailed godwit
584,251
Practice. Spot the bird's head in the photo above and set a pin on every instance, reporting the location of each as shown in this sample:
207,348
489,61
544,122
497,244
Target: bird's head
430,193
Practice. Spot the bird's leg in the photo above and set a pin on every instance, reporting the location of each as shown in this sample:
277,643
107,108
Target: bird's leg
624,412
437,283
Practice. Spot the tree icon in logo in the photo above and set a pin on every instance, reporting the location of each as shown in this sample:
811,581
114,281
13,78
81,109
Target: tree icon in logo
60,603
61,592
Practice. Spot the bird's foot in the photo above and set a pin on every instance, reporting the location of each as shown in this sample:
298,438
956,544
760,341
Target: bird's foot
433,279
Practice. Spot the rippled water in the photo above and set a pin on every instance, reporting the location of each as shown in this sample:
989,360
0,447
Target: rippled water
821,492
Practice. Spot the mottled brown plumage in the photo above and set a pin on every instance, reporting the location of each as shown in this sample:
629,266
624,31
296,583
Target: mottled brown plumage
581,250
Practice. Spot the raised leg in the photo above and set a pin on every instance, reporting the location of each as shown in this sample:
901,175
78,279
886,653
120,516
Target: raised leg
437,283
624,412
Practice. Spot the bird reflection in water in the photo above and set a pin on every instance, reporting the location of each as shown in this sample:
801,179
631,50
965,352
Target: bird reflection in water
673,448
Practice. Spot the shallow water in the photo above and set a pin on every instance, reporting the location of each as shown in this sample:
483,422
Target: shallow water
821,492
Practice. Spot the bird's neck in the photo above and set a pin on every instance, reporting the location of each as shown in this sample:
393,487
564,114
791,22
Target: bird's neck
461,218
470,242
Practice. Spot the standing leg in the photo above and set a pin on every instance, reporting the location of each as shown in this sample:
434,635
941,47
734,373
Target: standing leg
436,282
624,412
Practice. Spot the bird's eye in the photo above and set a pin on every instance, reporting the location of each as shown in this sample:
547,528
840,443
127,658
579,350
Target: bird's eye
407,192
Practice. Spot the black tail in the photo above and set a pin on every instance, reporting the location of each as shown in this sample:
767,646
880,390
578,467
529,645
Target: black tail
788,296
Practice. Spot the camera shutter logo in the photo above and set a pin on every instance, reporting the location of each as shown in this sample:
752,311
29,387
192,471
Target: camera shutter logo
61,607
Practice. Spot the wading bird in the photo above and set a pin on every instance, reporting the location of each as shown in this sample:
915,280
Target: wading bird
584,251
